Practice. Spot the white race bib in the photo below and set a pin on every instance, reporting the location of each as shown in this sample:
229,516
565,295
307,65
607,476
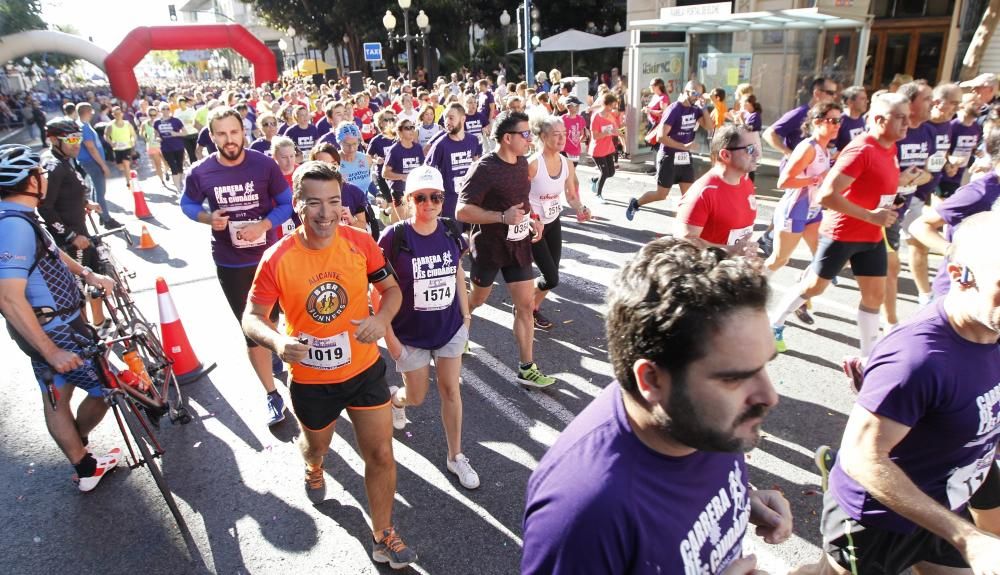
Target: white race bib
905,190
519,231
962,483
327,353
457,183
886,201
236,237
551,209
288,228
432,294
682,158
960,160
936,162
607,129
739,234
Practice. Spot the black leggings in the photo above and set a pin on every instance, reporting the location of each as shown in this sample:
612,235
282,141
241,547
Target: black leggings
607,166
191,146
547,252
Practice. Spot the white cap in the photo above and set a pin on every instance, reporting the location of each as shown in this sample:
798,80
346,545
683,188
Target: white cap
986,79
424,178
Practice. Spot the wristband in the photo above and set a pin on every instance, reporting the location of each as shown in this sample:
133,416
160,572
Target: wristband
84,272
502,218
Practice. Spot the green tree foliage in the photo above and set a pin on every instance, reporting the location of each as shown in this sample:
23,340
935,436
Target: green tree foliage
20,15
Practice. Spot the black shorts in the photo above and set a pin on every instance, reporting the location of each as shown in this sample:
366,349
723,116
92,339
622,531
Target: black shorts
483,274
867,258
174,159
317,405
987,497
668,174
123,155
861,549
236,284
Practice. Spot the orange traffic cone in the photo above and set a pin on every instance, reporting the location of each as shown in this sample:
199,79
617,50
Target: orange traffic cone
146,241
187,368
141,209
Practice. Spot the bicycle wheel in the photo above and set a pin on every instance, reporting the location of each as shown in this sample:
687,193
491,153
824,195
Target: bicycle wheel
160,369
140,434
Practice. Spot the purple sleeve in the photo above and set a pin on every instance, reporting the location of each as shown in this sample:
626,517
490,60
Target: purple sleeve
788,125
900,381
966,201
394,158
672,117
754,121
434,155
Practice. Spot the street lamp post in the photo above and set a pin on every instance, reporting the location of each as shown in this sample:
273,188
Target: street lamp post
423,23
505,25
295,56
283,46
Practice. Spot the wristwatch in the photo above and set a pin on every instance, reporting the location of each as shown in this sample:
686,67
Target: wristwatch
84,272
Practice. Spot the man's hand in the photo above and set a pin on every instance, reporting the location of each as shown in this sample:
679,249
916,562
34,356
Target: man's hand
370,329
513,214
690,145
252,232
92,207
219,220
982,552
884,217
81,242
63,361
770,512
745,566
100,281
290,350
537,228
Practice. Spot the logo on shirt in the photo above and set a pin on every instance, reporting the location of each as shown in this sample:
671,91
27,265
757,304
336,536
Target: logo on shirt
688,122
326,301
707,530
461,161
236,195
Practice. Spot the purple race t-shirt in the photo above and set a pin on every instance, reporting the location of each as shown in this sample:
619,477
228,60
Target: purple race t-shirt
942,143
329,137
322,126
789,126
165,128
261,145
683,122
964,141
403,160
946,389
601,501
850,128
453,159
430,314
353,198
304,138
914,149
977,196
474,123
379,144
245,192
205,141
483,101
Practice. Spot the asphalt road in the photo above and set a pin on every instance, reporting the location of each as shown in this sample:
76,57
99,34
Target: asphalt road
239,484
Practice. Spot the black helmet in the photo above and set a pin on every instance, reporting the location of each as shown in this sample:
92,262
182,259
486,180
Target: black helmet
16,162
62,126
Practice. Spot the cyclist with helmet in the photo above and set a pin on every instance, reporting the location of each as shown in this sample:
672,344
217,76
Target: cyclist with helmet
40,300
64,208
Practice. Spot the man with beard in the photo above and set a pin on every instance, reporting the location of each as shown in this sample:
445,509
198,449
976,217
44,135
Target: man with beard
247,196
922,436
453,154
651,476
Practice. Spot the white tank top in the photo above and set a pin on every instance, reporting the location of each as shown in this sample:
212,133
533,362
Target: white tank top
819,166
546,192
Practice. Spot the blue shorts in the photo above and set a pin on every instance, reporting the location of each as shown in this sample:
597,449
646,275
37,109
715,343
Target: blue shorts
793,216
84,377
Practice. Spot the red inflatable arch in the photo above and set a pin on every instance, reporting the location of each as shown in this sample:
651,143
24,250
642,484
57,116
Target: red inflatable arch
120,64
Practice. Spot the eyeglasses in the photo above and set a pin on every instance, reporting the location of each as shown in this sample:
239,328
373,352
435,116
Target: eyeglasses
834,121
434,198
407,128
71,140
750,148
268,124
525,134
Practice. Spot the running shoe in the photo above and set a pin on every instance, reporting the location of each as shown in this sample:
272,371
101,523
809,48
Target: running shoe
461,467
105,464
398,413
803,314
779,339
633,207
110,223
766,243
391,549
315,484
275,409
924,299
854,369
533,377
541,322
593,187
825,458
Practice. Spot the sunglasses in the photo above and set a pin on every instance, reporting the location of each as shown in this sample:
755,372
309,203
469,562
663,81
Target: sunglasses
268,124
834,121
525,134
434,198
750,148
71,140
407,128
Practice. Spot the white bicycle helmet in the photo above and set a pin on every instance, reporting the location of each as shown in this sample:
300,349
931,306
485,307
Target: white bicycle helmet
16,162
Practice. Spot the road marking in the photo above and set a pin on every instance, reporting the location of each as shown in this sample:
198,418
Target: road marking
536,430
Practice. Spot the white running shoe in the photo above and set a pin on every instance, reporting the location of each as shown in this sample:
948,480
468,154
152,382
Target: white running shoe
461,467
398,413
105,464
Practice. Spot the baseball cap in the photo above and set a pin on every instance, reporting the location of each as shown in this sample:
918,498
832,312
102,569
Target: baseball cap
424,178
573,101
981,80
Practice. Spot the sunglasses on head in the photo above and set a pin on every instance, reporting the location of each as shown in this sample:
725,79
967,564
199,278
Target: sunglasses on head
434,198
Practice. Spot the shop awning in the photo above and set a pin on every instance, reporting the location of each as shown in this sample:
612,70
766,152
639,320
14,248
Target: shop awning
791,19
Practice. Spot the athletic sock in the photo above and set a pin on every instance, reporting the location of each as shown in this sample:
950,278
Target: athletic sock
526,365
791,302
868,328
87,466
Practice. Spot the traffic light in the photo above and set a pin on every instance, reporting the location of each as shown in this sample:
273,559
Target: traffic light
173,12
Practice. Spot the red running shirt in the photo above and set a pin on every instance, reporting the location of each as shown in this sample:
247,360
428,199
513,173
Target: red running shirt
876,175
725,211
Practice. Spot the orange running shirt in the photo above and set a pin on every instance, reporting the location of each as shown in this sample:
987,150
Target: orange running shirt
321,291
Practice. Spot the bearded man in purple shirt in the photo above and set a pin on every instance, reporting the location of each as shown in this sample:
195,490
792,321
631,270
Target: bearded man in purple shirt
651,476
